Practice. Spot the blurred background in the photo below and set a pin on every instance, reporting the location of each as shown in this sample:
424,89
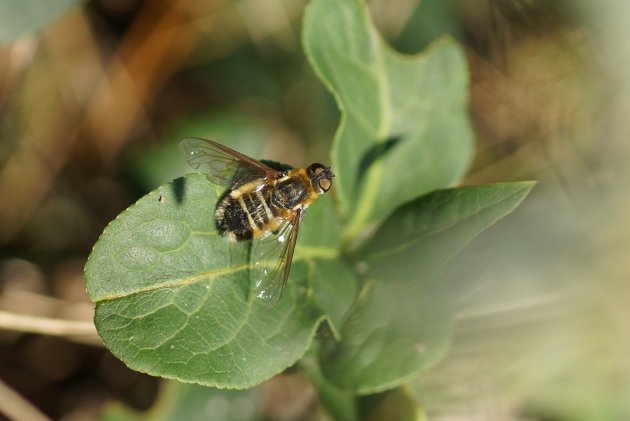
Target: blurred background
95,96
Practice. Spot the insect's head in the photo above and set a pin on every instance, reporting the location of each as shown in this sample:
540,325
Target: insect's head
321,177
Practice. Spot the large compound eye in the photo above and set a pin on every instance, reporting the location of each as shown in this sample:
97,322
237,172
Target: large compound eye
320,176
325,184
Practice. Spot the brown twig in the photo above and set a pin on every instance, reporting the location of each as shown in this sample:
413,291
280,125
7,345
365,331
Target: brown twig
79,331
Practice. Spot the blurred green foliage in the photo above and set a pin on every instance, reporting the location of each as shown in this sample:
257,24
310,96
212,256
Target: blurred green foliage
152,166
179,401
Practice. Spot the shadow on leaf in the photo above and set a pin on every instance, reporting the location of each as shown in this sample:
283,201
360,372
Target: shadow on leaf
375,153
178,186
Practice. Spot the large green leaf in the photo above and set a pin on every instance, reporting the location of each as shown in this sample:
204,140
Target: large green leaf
402,322
174,298
404,130
391,334
21,17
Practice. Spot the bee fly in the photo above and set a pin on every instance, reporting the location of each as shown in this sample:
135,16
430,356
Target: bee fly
264,204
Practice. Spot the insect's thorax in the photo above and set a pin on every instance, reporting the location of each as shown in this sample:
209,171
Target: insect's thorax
288,193
259,207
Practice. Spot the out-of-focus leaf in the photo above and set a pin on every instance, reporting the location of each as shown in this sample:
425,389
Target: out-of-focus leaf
174,298
398,404
391,334
320,231
430,20
156,165
335,285
404,130
179,401
21,17
335,288
402,322
340,404
424,234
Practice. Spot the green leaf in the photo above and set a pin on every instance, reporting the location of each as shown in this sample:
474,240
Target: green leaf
180,401
420,237
335,288
344,405
21,17
402,323
391,334
156,165
340,404
174,298
320,231
335,284
430,20
404,130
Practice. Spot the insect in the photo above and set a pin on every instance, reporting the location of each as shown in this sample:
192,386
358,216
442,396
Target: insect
265,204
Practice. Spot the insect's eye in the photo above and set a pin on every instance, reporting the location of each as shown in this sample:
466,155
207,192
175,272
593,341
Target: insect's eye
316,169
321,177
325,184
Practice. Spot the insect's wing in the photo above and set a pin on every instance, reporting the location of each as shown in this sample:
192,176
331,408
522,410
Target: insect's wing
273,255
225,166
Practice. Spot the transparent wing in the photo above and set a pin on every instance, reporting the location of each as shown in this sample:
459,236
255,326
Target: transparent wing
273,255
225,166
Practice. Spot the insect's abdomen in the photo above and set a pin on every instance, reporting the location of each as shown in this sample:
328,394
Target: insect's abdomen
245,214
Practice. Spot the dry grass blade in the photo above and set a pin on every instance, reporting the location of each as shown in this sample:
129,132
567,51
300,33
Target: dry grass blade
79,331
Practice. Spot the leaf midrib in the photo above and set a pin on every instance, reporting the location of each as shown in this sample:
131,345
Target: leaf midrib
175,283
302,253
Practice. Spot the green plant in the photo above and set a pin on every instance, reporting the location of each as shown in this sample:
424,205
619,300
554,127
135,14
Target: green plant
174,299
